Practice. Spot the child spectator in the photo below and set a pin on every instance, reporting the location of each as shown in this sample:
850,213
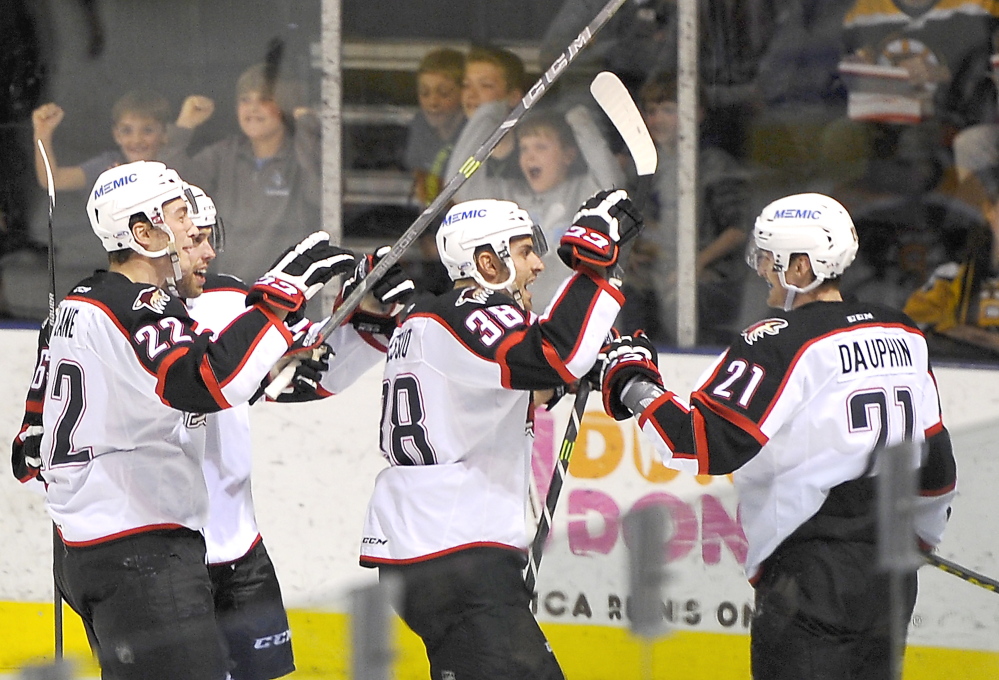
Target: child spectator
266,180
958,307
722,222
434,129
562,161
140,119
493,84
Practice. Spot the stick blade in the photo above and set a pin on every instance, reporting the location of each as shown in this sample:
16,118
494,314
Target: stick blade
614,98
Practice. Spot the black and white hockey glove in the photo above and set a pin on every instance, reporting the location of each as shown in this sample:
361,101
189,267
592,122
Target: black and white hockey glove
395,286
311,359
300,273
622,360
390,292
27,452
606,221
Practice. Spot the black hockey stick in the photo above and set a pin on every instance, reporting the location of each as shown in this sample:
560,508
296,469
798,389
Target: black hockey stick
56,542
968,575
608,90
535,93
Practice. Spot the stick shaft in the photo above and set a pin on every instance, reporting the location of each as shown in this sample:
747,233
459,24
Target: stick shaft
968,575
555,488
534,94
56,541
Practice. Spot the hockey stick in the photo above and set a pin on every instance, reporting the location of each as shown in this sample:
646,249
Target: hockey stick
56,542
971,577
535,93
612,96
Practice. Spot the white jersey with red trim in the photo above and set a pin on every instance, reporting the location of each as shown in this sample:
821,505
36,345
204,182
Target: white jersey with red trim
456,415
795,409
231,530
130,380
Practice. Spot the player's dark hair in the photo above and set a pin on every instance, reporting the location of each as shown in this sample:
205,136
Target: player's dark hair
142,103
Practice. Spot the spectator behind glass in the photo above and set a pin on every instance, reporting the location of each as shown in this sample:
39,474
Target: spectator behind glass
435,127
958,307
140,119
494,83
266,180
944,52
554,177
722,221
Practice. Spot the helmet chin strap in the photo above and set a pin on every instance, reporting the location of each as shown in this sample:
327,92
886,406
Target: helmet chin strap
505,285
794,290
177,274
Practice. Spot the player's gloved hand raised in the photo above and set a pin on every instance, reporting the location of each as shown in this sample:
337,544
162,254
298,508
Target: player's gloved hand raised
393,287
622,360
606,221
377,313
300,273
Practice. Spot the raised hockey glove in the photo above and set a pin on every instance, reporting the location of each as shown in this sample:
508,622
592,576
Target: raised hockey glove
394,287
625,358
606,221
300,273
390,292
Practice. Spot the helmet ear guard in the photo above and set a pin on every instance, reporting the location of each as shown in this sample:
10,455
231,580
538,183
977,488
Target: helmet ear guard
469,226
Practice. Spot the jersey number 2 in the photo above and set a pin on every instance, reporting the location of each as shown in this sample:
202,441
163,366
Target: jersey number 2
67,387
403,435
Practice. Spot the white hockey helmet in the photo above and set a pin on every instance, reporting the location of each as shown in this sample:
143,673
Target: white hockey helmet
484,222
204,214
126,190
813,224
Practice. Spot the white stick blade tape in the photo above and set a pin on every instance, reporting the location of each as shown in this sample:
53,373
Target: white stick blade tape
613,97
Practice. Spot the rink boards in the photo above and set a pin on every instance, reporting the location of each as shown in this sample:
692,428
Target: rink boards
314,466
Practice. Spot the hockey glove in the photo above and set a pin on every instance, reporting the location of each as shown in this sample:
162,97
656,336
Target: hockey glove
300,273
311,359
391,292
625,358
394,286
27,449
607,220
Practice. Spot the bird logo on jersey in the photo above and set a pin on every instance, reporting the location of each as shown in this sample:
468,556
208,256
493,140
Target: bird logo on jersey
151,298
762,328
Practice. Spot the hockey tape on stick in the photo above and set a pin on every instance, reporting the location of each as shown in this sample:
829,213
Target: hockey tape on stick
536,91
56,541
966,574
613,97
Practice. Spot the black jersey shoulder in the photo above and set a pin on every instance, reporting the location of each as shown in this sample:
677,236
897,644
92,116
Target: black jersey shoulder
475,315
216,282
781,336
129,304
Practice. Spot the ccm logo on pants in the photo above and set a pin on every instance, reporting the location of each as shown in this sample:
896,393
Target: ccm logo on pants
272,640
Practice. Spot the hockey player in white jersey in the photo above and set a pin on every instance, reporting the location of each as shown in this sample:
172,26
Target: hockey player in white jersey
797,409
448,514
248,603
120,393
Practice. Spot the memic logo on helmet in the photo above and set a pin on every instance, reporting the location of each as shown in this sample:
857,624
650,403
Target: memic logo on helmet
463,215
797,213
110,186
